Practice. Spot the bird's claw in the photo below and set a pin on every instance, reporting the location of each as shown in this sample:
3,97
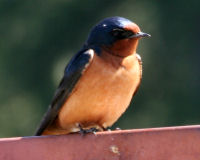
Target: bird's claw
85,131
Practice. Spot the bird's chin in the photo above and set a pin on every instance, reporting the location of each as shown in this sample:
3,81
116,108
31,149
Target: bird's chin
125,47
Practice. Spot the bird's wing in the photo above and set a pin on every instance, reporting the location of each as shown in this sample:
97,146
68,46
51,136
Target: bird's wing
74,70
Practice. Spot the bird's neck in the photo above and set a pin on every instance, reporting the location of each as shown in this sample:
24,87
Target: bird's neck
118,61
123,48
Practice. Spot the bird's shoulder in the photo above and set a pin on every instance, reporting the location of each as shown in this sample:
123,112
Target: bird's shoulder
73,71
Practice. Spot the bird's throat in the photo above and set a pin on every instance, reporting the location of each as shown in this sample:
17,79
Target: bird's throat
123,48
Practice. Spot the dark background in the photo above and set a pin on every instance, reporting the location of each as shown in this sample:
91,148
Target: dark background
37,39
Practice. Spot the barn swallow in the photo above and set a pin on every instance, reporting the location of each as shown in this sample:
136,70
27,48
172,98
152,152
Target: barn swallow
99,81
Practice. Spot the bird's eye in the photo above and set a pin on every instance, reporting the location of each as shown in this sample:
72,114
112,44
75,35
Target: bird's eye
120,33
117,32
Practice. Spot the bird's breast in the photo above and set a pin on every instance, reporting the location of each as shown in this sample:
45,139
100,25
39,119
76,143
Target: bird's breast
103,92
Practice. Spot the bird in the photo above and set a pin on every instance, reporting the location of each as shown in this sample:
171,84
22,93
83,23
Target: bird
98,82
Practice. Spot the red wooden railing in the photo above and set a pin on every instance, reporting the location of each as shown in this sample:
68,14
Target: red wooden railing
171,143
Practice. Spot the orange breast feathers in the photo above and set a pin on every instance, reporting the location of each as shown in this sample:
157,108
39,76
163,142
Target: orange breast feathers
102,94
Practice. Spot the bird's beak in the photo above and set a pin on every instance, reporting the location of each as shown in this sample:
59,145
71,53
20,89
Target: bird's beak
140,34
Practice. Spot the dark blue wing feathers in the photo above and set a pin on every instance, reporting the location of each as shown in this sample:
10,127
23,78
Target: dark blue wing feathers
72,74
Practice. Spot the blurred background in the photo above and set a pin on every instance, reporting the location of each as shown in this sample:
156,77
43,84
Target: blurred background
37,39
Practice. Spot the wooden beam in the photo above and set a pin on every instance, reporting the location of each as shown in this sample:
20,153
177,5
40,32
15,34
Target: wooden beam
170,143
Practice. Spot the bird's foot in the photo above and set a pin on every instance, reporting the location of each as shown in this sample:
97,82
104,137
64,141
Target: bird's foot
91,130
85,131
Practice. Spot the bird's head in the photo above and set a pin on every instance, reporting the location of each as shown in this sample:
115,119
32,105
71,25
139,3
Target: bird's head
118,36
